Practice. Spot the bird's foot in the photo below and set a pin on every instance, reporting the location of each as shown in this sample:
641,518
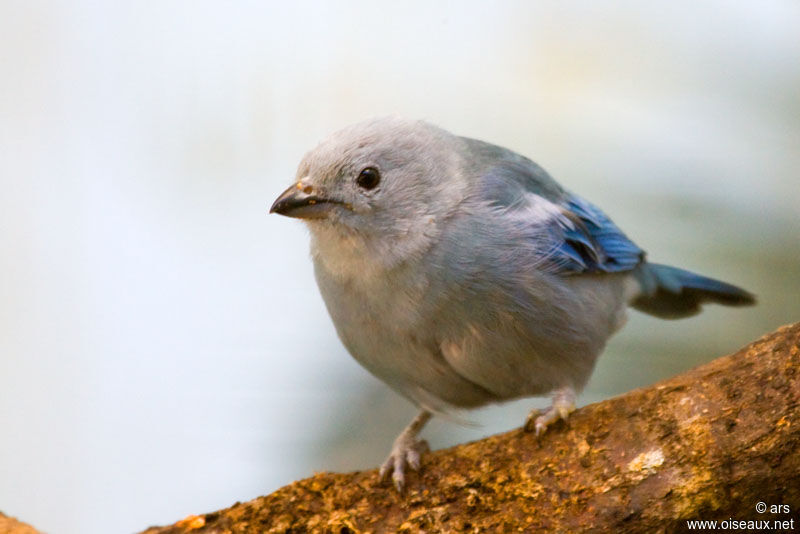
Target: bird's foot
406,452
563,405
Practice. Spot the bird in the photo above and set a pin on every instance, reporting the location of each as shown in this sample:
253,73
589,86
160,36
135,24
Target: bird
461,274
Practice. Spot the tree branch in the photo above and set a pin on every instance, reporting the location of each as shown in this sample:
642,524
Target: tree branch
10,525
708,444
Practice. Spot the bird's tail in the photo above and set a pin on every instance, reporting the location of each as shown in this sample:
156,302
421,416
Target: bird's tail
672,293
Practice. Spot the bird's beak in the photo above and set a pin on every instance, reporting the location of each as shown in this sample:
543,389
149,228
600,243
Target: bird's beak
303,201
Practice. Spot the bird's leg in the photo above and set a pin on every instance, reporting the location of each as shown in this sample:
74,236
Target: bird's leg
563,405
406,451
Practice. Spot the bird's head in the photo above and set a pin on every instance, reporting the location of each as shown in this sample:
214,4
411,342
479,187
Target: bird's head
385,183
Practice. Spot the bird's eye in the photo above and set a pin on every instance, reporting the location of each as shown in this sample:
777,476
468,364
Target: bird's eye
369,178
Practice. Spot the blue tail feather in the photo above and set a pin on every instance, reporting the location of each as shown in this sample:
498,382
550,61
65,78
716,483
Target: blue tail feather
671,293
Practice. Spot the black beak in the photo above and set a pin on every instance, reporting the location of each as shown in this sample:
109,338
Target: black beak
301,201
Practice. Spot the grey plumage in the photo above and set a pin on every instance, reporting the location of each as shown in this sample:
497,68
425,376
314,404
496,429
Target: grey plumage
467,275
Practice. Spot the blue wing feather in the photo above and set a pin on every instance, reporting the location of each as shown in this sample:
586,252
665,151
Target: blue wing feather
592,242
581,237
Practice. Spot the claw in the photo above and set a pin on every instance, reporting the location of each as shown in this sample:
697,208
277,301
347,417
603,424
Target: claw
563,405
399,479
413,456
406,452
386,468
530,421
413,460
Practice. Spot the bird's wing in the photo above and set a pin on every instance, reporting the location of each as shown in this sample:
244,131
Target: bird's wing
588,241
574,236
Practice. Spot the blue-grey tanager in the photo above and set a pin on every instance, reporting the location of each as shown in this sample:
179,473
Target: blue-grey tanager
461,274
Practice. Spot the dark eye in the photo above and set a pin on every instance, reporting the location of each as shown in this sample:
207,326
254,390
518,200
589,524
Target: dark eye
369,178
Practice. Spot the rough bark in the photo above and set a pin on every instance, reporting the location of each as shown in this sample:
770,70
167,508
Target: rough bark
9,525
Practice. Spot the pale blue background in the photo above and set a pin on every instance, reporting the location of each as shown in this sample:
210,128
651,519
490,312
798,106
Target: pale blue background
163,348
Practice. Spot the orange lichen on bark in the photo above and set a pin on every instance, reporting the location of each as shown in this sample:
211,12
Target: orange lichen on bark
9,525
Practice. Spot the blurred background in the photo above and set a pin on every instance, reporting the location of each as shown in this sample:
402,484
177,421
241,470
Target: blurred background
163,347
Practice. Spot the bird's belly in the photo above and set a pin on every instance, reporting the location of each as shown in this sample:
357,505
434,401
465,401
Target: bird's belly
411,363
390,334
471,355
